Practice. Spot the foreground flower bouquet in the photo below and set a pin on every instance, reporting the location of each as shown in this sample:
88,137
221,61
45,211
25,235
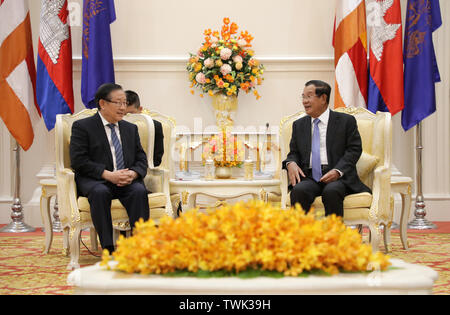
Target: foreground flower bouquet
250,238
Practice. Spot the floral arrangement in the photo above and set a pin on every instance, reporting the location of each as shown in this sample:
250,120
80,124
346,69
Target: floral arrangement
225,150
225,64
252,236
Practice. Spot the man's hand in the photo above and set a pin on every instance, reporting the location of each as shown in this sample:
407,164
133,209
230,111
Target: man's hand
331,176
120,178
294,172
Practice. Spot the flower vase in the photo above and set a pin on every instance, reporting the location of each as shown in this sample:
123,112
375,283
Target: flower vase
225,108
223,172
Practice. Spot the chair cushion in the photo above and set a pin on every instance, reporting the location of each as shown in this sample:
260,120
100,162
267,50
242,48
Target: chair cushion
155,200
360,200
353,201
365,164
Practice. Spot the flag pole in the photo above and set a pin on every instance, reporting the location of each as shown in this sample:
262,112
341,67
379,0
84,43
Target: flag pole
17,225
420,222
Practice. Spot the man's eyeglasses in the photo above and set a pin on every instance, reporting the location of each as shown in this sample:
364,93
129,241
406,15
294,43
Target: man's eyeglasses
308,97
118,103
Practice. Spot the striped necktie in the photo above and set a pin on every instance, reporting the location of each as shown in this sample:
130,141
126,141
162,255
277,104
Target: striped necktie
316,165
117,147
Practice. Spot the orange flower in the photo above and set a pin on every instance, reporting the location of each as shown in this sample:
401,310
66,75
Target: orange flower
233,28
229,78
226,21
220,83
245,86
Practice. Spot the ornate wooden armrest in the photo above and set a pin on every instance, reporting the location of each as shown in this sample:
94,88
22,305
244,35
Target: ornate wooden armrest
67,195
381,191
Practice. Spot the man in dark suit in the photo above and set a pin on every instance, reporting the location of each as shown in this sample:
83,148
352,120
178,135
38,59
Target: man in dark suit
324,149
109,162
134,106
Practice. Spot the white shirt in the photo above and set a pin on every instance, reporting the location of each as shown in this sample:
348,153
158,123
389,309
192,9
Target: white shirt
323,124
108,135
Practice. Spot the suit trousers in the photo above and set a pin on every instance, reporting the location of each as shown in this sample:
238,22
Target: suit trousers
308,189
134,198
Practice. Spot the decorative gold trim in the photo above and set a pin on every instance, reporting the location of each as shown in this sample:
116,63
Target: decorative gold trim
155,114
354,111
290,117
263,195
184,197
124,225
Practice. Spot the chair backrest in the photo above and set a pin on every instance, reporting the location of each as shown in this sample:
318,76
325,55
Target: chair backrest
63,131
375,131
168,126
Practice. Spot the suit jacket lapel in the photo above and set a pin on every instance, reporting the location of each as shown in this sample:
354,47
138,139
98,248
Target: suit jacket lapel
124,136
307,139
331,133
104,139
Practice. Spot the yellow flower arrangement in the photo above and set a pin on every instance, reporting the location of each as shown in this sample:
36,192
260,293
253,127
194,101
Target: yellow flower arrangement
224,63
242,237
224,149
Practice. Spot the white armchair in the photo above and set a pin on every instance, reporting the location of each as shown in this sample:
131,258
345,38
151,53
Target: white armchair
74,211
373,169
159,181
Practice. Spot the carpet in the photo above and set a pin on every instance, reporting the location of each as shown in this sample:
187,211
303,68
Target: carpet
24,270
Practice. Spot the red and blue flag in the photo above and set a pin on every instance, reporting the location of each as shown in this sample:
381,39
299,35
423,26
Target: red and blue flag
386,58
54,82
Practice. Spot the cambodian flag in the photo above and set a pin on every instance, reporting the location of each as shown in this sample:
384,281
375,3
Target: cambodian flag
54,84
97,65
385,56
421,70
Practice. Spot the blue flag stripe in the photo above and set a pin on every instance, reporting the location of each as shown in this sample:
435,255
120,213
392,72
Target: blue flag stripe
49,99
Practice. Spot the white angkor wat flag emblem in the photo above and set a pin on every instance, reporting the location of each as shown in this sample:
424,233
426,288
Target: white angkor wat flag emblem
52,30
380,31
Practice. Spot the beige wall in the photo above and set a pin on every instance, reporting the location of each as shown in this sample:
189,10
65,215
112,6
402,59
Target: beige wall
151,42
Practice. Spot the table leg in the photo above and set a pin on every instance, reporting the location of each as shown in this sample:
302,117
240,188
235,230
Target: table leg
406,208
191,201
94,243
66,250
45,214
184,196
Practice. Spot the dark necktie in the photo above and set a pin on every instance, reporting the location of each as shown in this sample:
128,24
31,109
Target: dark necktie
316,165
117,147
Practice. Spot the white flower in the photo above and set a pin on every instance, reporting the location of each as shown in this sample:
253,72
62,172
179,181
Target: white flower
225,53
209,63
237,59
242,42
200,78
225,69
